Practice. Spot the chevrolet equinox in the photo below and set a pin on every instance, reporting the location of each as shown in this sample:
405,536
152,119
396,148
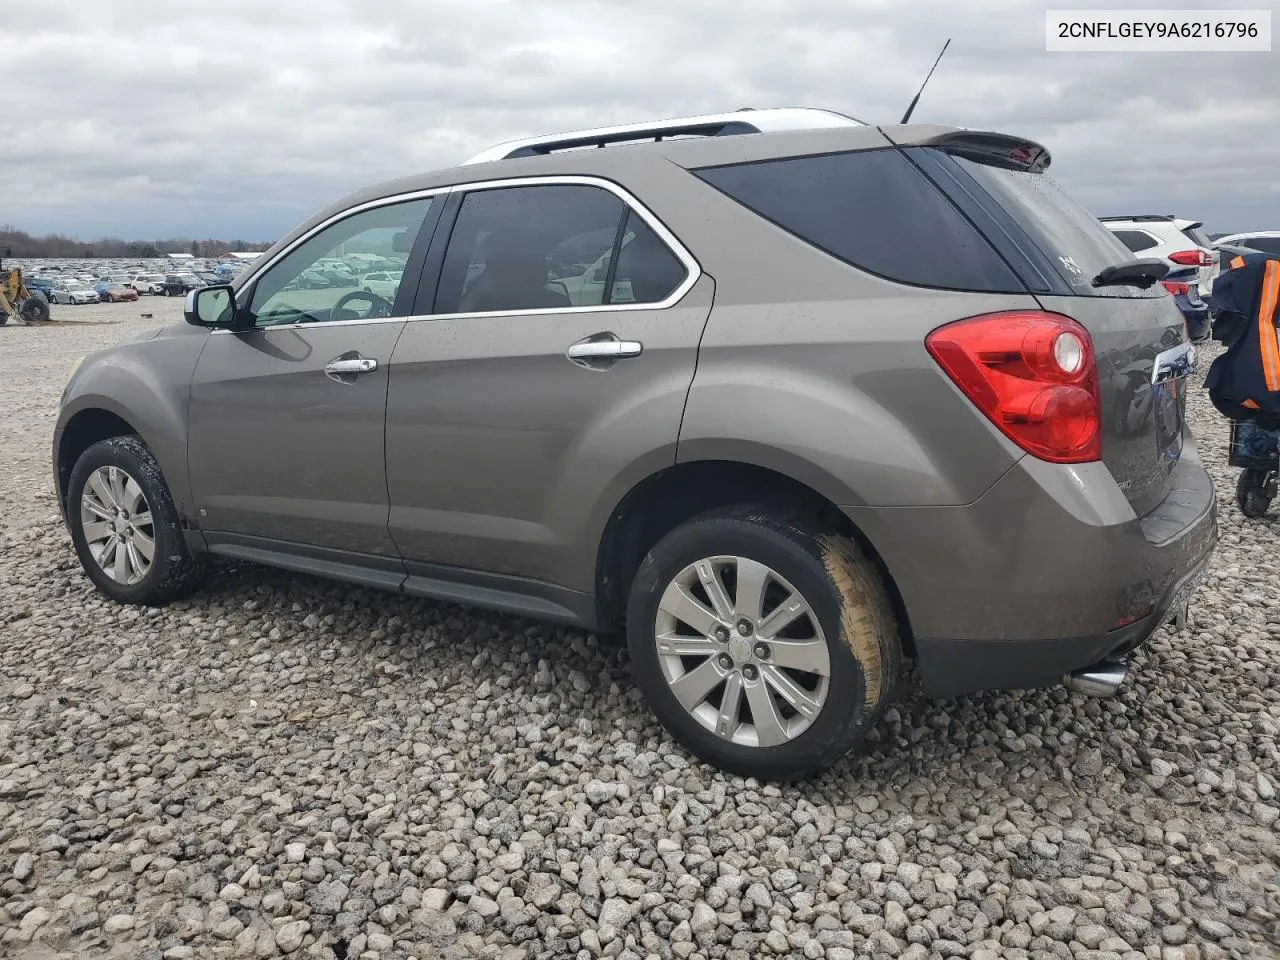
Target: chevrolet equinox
788,398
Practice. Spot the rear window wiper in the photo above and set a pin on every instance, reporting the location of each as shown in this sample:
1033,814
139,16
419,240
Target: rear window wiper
1132,273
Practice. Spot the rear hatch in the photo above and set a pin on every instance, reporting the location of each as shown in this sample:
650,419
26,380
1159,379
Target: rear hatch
1057,247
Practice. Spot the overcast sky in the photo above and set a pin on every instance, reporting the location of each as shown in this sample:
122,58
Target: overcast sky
238,118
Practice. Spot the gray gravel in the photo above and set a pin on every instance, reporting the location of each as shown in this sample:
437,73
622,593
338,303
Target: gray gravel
283,766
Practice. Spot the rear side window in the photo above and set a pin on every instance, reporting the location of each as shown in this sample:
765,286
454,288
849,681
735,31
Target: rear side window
872,209
647,270
552,247
1136,240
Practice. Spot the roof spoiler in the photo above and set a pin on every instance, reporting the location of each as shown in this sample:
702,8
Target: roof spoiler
994,149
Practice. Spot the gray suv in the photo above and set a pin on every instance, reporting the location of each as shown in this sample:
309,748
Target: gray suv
790,399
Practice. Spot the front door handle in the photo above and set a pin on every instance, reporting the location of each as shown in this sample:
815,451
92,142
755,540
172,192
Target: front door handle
602,350
346,368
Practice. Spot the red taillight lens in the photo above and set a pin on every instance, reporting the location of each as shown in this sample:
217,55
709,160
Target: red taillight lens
1192,258
1032,374
1176,288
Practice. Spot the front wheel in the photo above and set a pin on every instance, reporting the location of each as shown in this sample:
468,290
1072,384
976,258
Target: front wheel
124,524
764,645
1255,489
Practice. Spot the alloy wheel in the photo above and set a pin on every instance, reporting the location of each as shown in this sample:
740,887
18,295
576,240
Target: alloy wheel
117,525
742,651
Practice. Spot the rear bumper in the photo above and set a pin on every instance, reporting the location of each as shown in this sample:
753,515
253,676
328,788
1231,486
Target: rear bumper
950,668
1048,572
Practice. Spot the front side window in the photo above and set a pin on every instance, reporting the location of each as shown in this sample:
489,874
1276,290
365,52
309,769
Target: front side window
552,246
317,280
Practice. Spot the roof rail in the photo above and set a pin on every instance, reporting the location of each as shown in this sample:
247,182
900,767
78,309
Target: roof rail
1142,217
746,120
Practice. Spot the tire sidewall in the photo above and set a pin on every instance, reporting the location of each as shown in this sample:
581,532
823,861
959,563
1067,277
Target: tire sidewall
845,707
131,456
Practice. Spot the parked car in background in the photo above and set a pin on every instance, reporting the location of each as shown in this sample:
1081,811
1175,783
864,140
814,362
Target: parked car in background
1180,243
72,291
383,284
207,277
1184,285
1266,241
177,284
775,504
118,293
43,284
147,283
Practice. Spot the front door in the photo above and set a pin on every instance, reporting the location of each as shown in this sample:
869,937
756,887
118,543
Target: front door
286,444
546,378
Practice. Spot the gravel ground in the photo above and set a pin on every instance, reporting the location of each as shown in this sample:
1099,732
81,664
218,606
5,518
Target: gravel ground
286,766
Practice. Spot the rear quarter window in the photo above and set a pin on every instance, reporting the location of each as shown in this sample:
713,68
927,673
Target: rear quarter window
872,209
1136,240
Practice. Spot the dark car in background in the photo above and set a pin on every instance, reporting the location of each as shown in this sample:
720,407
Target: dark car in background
42,284
177,284
1184,286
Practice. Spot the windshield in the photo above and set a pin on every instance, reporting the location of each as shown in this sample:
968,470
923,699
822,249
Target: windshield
1073,238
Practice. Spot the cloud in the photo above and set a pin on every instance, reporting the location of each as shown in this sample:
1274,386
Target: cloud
152,119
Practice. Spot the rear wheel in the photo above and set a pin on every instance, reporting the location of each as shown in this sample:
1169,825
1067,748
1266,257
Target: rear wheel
765,646
125,526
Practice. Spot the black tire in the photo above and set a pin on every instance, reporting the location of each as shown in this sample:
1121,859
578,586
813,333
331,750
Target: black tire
173,572
851,605
35,309
1252,493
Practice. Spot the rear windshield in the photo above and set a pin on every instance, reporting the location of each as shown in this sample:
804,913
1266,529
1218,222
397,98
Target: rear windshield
1073,238
1197,236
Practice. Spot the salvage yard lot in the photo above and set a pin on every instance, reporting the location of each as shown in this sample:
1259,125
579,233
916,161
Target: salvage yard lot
282,765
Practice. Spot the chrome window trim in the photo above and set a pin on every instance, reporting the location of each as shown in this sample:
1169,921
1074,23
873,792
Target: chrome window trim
693,270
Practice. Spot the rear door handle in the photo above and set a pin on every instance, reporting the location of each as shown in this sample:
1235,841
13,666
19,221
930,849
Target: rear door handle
362,365
604,350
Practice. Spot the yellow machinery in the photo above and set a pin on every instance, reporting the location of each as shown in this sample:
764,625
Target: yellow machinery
30,305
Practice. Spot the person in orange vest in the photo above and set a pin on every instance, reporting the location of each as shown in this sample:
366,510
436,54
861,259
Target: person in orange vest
1244,381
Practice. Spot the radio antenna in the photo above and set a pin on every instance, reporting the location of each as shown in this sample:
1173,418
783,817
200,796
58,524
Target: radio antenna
916,99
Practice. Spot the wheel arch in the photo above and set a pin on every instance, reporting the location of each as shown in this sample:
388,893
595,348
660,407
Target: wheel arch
668,497
82,430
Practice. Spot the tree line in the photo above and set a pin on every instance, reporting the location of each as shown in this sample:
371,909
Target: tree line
20,244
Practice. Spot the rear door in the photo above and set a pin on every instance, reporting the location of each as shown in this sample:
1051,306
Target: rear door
1138,334
533,394
285,443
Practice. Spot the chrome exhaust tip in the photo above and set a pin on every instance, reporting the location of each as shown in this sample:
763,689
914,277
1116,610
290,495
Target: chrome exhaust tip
1102,679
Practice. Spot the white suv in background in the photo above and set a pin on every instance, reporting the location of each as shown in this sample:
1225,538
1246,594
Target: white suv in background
1181,243
1267,241
146,283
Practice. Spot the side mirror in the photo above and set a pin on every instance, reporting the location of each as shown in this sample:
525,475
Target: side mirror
213,306
402,242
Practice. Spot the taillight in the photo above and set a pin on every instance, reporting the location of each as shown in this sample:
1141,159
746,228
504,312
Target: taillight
1176,288
1192,258
1032,374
